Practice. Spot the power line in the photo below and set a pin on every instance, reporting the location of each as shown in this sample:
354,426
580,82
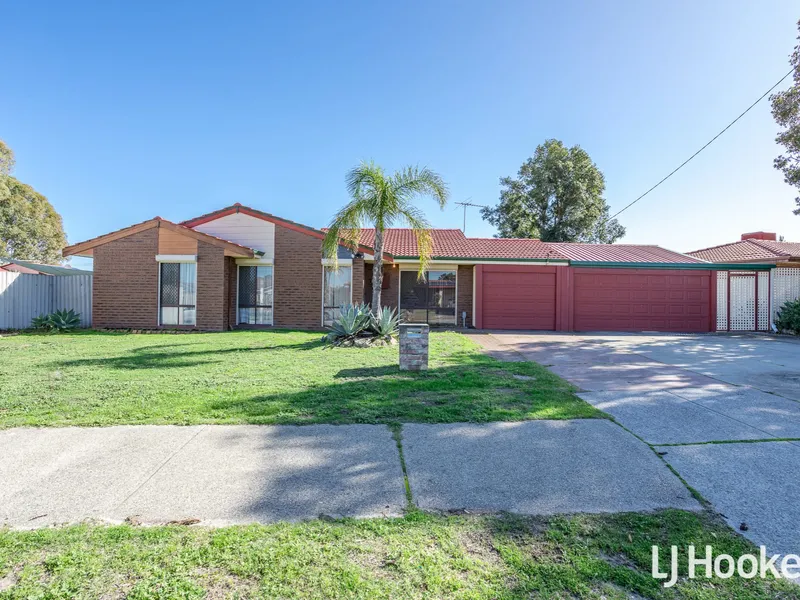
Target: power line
465,205
706,145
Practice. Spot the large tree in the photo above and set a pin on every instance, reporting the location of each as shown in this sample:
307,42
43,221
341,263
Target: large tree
30,228
381,200
786,111
557,196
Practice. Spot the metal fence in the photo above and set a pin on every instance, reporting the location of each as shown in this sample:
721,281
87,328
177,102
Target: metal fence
23,297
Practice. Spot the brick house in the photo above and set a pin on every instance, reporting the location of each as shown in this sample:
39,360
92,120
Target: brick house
239,267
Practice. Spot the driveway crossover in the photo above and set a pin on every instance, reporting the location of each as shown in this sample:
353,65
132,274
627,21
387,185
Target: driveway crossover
681,393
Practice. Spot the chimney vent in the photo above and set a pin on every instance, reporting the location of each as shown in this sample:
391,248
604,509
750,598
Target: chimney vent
760,235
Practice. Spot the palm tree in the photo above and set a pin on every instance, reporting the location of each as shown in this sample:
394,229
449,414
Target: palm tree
380,200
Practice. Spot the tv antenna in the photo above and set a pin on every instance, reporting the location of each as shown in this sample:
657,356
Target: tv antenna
465,205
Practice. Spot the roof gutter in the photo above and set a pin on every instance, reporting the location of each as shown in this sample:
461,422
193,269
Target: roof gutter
680,266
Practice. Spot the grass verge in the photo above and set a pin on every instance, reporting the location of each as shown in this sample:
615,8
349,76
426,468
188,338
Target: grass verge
419,556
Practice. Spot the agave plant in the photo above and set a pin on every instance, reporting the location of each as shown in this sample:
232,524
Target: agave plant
41,322
60,320
65,320
353,320
384,323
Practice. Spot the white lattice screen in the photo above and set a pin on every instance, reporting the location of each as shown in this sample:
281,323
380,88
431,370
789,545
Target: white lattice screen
722,300
743,301
763,301
785,286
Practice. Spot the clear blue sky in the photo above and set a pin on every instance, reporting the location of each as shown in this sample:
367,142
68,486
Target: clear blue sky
122,111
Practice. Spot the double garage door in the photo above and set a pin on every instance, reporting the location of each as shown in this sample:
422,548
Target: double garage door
593,299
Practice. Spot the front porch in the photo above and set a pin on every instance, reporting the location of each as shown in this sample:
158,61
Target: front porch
443,297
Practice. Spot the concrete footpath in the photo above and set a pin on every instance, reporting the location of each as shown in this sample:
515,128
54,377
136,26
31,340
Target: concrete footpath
222,474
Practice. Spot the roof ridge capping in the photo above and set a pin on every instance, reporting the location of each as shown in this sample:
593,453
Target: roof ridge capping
737,242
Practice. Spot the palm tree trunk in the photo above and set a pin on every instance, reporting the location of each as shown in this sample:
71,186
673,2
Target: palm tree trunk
377,271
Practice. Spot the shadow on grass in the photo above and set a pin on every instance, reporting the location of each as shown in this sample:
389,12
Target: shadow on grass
476,389
165,356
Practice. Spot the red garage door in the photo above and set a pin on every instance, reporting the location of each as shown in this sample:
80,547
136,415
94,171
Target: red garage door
518,297
641,300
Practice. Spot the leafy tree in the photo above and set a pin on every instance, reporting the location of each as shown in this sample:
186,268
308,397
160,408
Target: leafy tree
30,228
556,197
786,112
380,200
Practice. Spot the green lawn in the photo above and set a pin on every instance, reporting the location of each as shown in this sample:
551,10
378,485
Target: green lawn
418,556
268,377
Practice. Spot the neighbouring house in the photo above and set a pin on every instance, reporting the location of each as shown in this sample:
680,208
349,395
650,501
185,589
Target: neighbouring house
239,267
751,299
34,268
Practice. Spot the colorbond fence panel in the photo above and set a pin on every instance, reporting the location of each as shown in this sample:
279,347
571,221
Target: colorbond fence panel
24,296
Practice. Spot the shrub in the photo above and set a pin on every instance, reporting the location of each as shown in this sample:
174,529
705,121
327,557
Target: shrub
60,320
788,319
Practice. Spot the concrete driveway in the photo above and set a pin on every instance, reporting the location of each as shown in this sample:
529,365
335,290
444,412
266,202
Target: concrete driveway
683,393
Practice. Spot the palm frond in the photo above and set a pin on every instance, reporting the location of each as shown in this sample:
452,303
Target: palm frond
422,230
364,180
344,229
413,181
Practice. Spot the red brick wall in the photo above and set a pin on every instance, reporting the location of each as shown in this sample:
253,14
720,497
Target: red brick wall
211,297
391,278
464,299
358,280
368,283
125,286
391,285
298,279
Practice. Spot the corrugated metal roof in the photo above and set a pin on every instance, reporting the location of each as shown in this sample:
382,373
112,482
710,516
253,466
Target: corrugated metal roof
748,250
42,268
621,253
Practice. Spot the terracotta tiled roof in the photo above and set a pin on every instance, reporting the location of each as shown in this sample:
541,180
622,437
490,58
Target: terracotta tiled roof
633,253
781,248
748,251
451,243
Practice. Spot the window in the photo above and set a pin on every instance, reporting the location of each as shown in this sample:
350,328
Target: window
429,300
255,295
336,292
178,294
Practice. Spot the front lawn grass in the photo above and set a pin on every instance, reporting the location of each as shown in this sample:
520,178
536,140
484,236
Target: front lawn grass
418,556
264,377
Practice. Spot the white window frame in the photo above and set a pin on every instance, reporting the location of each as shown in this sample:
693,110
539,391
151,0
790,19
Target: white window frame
255,262
175,258
329,263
